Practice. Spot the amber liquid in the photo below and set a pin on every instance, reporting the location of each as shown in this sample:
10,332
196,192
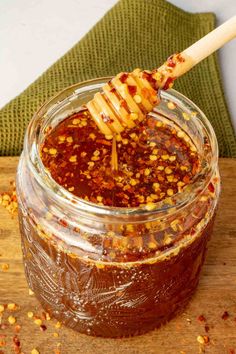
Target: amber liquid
114,301
154,161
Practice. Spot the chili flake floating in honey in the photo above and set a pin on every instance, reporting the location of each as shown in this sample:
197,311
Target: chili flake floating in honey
155,161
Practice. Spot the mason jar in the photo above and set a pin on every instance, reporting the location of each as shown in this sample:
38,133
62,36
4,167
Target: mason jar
109,271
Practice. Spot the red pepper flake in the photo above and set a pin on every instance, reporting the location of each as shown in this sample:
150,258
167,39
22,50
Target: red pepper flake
2,343
206,339
17,328
57,351
43,328
106,119
43,316
211,188
103,141
186,179
201,318
63,223
231,351
225,316
179,58
132,90
16,344
168,83
203,339
170,62
16,340
124,77
207,328
147,76
8,199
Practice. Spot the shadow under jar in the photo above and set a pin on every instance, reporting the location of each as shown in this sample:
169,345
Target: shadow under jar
109,271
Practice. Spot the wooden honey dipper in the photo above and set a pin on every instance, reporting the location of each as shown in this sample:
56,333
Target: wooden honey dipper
128,97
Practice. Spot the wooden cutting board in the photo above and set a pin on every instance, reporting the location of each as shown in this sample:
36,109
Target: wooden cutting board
216,293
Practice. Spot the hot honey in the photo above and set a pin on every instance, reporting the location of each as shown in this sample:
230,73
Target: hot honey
115,228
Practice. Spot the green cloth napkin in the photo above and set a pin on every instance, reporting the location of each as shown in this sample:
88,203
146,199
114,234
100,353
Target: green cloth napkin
134,33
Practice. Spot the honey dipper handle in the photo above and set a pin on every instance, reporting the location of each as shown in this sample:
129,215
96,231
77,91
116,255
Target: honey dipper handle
205,46
212,41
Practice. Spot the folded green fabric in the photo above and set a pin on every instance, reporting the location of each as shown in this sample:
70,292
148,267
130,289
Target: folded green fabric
134,33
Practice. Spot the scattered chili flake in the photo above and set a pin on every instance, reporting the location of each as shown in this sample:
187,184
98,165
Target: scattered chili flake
5,267
132,89
38,321
171,62
186,116
8,199
169,83
43,328
48,318
2,343
58,325
34,351
201,318
11,320
225,315
211,187
203,339
57,351
12,307
69,139
31,293
207,328
30,314
16,344
52,151
17,328
200,339
63,222
55,334
171,105
106,118
231,351
123,77
206,339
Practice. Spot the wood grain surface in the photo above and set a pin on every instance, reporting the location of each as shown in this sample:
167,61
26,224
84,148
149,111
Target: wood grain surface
216,293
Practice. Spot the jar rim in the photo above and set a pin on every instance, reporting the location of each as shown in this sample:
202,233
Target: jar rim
77,204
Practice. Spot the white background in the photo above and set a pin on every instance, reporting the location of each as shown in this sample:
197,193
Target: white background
35,33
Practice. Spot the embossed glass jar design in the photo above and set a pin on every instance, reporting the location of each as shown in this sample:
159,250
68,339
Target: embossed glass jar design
109,271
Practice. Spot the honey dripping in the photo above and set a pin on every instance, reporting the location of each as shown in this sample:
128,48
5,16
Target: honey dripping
114,155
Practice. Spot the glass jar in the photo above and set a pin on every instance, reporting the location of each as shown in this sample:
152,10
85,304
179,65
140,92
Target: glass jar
108,271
